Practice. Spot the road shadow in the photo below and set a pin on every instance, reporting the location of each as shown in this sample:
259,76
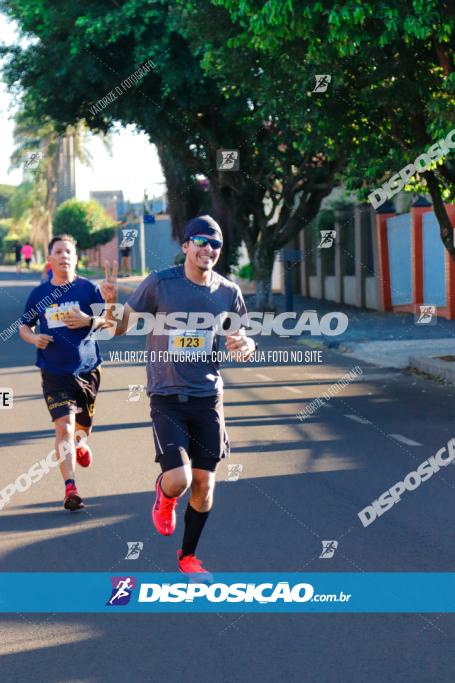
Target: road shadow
262,524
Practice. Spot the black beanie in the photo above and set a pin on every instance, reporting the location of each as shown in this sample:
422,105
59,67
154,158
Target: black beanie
202,225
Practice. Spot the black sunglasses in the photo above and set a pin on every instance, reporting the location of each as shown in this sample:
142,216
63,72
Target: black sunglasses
203,241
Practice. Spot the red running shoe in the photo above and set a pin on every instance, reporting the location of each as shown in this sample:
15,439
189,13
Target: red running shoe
163,511
84,456
72,501
189,564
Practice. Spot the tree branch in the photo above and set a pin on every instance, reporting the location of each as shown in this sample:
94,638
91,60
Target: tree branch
444,61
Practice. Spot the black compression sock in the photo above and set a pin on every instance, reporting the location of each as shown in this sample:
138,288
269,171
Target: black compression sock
194,524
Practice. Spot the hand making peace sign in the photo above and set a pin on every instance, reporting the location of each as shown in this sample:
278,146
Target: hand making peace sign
108,287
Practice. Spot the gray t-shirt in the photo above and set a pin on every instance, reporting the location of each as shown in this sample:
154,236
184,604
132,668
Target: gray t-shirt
170,291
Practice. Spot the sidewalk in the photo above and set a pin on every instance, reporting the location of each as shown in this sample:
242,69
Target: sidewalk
390,340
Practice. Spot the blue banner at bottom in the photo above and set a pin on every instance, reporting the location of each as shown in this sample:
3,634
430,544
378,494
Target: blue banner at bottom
227,592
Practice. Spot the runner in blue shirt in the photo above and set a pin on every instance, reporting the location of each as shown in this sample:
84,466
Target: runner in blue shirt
67,355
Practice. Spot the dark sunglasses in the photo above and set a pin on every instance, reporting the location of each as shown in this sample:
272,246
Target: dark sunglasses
203,241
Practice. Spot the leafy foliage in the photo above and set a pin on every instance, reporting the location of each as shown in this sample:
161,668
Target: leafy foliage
240,74
6,192
86,221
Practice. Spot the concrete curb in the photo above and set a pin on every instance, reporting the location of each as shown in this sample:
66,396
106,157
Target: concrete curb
434,367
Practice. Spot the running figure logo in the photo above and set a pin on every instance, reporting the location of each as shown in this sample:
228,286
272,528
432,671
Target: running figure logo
122,587
327,238
134,550
322,83
234,472
134,392
128,238
35,157
227,160
426,316
328,549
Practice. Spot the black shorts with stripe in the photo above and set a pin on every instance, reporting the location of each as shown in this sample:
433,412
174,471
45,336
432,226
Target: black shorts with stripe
192,424
67,394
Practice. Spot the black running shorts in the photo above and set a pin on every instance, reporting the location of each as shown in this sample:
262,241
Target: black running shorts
194,424
68,394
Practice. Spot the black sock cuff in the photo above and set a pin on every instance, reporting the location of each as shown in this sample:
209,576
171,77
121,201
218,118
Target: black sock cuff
191,510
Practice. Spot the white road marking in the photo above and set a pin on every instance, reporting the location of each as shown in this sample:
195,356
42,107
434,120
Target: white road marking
266,378
404,439
374,377
293,389
356,418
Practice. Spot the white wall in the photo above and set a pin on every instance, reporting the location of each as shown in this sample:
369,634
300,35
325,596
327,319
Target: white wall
330,287
278,277
372,292
314,287
349,289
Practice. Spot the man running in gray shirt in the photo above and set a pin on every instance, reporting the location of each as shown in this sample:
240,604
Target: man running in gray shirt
186,396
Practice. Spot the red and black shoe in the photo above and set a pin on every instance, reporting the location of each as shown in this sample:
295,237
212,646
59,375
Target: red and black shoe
72,501
84,456
163,511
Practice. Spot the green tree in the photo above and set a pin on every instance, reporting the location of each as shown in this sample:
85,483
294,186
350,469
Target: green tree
6,192
86,221
288,165
21,200
392,65
245,80
189,110
4,230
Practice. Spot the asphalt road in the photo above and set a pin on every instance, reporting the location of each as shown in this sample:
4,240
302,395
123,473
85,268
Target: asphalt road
302,482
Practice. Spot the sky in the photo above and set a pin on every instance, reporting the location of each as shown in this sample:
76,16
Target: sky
133,166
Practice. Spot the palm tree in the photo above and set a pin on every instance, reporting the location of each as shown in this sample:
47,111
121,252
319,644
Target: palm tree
38,150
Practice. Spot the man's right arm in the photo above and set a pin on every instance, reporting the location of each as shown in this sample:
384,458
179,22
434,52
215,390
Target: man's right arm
29,335
28,323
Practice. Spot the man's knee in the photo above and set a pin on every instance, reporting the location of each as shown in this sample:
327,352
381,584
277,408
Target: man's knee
64,428
203,485
176,481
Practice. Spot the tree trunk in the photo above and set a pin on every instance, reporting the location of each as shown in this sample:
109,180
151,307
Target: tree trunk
262,262
223,211
445,226
177,190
